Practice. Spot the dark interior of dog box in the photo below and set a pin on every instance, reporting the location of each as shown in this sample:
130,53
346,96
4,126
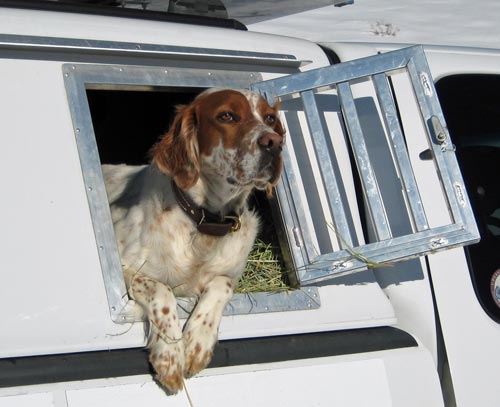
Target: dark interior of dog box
128,122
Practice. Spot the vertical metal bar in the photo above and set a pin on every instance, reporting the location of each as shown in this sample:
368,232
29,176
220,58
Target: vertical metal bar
398,147
367,175
425,94
290,182
326,167
109,258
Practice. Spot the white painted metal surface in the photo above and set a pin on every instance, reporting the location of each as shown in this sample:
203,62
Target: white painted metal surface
443,62
92,27
378,379
406,21
52,257
348,303
471,336
55,288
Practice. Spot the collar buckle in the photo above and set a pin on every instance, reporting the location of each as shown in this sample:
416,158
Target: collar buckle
236,222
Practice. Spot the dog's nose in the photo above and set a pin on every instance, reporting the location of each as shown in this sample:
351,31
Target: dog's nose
272,142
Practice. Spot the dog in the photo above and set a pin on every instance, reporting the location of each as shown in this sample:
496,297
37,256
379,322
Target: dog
183,225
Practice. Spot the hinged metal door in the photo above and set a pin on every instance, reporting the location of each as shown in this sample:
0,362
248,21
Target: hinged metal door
320,214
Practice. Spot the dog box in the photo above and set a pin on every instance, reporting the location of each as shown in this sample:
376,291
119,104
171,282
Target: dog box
61,208
336,210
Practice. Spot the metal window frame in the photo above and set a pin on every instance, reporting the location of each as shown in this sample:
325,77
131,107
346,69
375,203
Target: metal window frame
312,267
80,77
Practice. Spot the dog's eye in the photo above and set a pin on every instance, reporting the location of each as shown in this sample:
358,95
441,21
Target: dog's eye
270,119
228,117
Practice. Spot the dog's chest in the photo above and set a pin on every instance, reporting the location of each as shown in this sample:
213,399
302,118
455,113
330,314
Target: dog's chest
184,258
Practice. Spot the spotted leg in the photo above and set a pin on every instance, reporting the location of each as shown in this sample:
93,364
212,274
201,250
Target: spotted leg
201,330
165,338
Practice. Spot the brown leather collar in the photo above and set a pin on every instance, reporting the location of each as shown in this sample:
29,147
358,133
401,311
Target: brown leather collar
207,222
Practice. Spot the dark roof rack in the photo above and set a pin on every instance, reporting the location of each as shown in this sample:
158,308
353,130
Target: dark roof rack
111,10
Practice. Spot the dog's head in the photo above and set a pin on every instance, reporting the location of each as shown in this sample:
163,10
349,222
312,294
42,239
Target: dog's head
234,136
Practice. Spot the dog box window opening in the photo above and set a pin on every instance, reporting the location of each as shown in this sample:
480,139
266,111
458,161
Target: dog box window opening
127,123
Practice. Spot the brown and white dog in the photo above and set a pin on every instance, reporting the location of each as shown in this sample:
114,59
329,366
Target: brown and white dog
182,223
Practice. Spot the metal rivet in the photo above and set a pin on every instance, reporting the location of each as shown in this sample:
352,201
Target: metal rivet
77,130
210,73
425,82
89,188
113,309
438,242
66,74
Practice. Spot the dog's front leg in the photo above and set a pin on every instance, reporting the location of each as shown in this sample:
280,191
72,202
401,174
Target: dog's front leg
165,338
200,332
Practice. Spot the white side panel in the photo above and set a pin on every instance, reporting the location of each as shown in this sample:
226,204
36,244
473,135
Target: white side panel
53,286
421,22
319,385
408,289
53,278
29,400
349,302
471,337
95,27
396,378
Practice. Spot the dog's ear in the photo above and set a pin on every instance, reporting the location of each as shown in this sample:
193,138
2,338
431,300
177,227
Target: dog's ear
177,152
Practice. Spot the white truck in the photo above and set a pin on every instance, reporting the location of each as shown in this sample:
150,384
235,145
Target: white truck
388,212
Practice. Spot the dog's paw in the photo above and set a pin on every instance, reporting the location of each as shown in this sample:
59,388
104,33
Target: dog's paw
168,362
165,339
199,342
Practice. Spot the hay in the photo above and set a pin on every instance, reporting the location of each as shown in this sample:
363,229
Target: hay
264,270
